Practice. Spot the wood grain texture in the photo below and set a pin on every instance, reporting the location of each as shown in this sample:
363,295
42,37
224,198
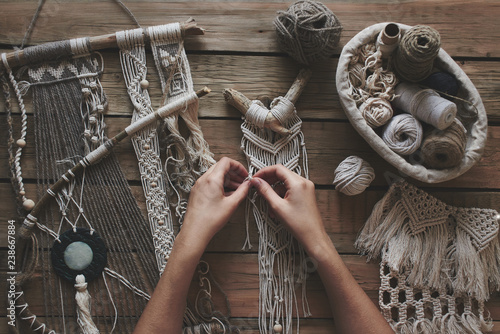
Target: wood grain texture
468,29
239,51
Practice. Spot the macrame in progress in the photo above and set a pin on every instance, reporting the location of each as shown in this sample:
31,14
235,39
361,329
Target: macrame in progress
439,263
68,104
279,270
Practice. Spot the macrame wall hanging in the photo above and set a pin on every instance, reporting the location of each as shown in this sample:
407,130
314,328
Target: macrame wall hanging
88,217
274,136
439,263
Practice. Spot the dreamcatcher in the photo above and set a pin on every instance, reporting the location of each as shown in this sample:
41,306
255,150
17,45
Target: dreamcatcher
87,217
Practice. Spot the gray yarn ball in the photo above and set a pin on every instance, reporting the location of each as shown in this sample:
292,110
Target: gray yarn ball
308,31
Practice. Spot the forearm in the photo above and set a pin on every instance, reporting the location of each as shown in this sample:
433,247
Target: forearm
353,310
165,310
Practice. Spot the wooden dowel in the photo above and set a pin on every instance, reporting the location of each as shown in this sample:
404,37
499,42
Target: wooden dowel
242,103
77,169
17,58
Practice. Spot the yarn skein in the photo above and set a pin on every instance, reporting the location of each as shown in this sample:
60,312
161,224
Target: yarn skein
376,111
442,82
414,58
425,104
445,149
308,31
403,134
353,175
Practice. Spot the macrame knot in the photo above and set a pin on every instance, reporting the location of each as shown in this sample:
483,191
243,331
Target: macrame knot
257,113
283,109
81,284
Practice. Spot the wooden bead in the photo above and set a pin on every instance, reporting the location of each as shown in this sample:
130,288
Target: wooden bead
161,222
278,328
22,192
144,84
28,205
146,146
153,184
21,143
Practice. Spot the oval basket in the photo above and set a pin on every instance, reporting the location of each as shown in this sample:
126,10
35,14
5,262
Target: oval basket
476,132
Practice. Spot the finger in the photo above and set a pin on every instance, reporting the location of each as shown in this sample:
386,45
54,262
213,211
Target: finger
226,165
240,193
275,173
266,191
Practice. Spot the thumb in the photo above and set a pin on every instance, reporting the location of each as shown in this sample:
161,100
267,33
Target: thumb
240,193
266,191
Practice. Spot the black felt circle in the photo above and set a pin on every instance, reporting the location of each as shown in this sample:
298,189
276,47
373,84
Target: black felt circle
94,269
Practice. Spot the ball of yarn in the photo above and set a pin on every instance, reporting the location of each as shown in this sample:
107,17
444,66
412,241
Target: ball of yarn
403,134
425,104
414,58
442,82
353,176
445,149
308,31
376,111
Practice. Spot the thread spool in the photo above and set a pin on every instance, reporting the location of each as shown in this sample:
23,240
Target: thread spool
425,104
414,58
403,134
376,111
445,149
308,31
442,82
353,175
388,39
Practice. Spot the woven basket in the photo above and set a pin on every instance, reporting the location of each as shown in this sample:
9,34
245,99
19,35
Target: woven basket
476,131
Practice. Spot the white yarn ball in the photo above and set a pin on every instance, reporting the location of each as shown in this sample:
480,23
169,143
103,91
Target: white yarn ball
376,111
403,134
353,176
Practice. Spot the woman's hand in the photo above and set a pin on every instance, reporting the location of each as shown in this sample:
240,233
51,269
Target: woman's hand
297,207
214,198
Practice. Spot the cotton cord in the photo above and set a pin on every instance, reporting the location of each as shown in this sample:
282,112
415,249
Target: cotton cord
403,134
376,111
425,104
308,31
353,175
445,149
414,58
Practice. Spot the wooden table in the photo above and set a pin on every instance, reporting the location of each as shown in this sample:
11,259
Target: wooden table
239,51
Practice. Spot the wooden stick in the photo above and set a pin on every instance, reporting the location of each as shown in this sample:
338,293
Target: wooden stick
17,58
242,103
24,233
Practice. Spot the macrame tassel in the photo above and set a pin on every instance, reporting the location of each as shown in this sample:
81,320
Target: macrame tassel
82,298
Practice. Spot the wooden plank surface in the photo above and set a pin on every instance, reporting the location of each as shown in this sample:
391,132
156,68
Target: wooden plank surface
239,51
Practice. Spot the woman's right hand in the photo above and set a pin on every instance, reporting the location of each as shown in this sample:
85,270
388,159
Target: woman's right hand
297,208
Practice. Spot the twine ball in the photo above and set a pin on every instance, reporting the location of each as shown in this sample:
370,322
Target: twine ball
414,57
403,134
376,111
445,149
353,176
442,82
308,31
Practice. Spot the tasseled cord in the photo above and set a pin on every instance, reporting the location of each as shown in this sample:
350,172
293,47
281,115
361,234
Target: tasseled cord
82,298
